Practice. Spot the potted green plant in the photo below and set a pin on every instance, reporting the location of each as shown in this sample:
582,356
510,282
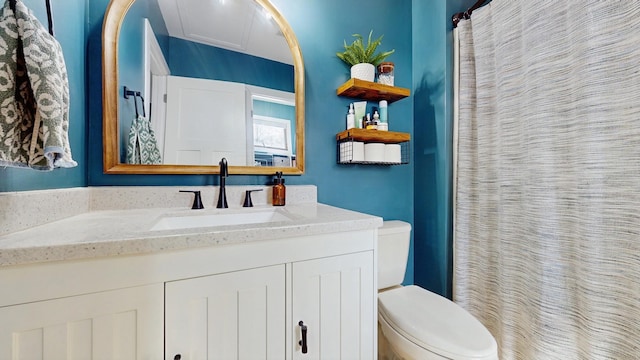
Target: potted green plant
362,57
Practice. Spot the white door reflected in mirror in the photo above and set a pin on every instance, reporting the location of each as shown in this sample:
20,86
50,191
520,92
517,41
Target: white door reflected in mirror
197,112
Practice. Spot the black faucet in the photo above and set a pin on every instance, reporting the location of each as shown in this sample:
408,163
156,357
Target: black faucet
222,196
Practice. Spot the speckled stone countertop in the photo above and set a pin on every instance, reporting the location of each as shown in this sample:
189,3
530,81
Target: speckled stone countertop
128,232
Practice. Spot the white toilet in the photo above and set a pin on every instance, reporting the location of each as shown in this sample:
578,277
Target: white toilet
414,323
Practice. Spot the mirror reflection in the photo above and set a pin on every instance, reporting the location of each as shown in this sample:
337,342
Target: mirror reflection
208,80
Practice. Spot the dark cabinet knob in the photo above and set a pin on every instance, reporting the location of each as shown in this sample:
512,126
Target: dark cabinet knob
177,357
303,342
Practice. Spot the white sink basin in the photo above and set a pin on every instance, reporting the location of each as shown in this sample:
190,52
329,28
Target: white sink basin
219,219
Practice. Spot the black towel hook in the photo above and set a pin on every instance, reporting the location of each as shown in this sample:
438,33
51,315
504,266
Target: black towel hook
12,6
142,100
135,103
49,17
135,95
128,93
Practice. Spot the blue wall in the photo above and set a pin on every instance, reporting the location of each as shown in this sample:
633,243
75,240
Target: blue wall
419,31
69,26
191,59
432,85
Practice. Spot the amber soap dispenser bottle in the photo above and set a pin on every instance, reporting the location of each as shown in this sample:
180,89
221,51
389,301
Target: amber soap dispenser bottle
279,191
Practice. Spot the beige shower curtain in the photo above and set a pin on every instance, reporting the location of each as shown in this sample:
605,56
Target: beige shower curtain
547,178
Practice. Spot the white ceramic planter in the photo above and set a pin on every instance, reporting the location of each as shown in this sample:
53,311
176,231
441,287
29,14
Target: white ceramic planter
363,71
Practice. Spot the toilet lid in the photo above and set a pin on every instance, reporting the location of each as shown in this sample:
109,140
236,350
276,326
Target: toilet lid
436,323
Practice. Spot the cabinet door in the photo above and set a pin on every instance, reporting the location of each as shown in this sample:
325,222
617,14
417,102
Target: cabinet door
237,315
119,324
335,298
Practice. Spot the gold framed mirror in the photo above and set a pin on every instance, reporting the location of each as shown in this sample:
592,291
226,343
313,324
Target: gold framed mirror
113,90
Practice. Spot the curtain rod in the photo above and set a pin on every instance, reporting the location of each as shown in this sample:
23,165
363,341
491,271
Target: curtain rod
467,14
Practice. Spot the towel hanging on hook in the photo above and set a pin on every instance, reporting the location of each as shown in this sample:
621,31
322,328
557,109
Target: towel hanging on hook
12,6
142,146
38,136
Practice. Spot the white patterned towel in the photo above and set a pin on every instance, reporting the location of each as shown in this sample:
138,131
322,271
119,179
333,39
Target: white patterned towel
142,147
34,94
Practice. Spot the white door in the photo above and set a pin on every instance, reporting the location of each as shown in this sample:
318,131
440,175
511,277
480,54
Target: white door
120,324
237,315
206,121
335,299
158,109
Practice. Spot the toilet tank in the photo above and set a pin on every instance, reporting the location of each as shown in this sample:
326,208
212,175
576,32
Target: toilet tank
393,251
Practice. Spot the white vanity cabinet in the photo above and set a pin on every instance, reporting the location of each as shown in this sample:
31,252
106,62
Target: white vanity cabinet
333,298
119,324
244,314
243,299
236,315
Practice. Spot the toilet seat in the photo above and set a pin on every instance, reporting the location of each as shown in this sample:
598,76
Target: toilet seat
436,324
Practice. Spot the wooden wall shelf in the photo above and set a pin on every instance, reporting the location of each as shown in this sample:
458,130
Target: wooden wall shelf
371,91
346,150
387,137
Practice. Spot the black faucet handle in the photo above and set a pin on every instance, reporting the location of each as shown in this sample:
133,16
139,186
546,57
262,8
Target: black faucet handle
197,199
247,198
224,168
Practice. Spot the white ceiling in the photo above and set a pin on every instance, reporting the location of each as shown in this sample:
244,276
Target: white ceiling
238,25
